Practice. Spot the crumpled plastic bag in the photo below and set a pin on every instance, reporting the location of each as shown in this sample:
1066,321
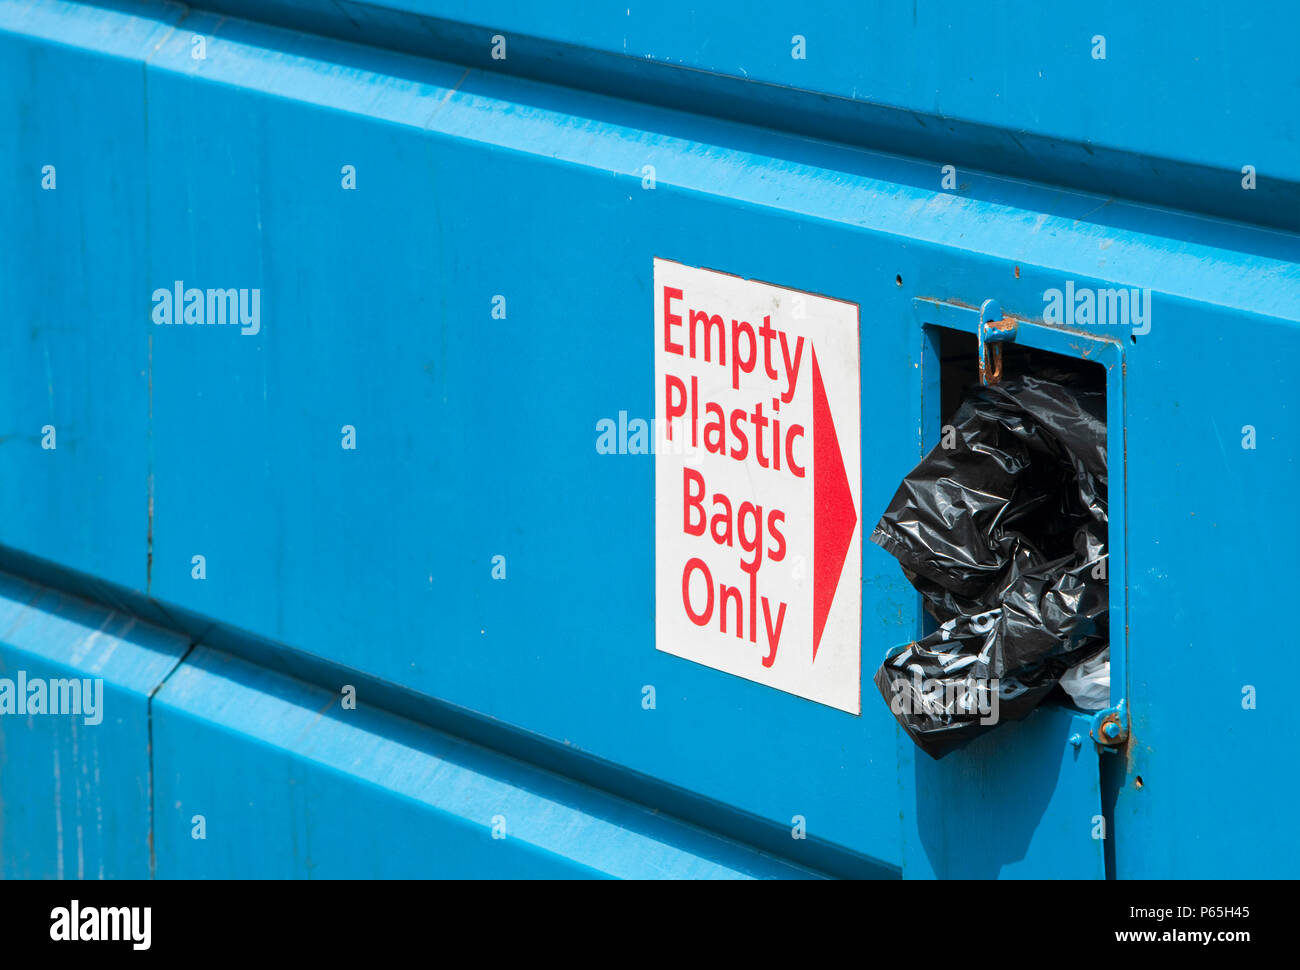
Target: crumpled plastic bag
1004,536
1088,683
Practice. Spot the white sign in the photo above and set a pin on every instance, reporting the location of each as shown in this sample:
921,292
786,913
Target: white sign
758,482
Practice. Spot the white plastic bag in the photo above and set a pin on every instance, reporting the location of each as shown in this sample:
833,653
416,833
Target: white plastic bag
1089,682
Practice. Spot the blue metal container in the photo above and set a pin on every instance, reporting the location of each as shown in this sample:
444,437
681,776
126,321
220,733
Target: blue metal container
372,475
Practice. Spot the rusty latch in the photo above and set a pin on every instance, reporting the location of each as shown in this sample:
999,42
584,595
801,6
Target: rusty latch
994,330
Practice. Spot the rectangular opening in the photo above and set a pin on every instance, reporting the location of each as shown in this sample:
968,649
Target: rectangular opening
952,356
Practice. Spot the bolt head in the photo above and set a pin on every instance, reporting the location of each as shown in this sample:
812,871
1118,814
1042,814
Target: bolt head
1110,729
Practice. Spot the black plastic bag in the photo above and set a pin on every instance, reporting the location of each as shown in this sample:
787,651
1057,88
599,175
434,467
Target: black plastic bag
1004,536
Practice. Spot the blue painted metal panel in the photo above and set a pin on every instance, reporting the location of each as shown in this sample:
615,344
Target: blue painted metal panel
75,795
1159,90
1145,102
72,330
562,647
476,435
1023,801
1212,542
310,789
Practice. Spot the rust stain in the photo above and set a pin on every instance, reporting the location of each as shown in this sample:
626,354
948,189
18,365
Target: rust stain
316,720
447,97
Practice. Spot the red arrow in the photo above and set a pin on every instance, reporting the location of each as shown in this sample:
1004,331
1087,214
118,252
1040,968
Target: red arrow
834,517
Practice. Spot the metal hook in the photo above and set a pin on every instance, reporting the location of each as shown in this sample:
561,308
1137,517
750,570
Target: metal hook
994,331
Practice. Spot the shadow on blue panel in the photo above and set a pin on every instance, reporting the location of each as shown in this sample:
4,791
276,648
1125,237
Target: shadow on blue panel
1019,802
